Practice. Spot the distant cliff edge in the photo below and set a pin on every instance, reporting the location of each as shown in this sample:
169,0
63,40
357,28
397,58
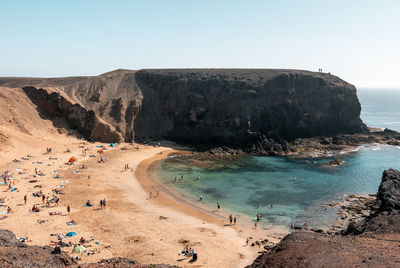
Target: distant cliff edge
202,107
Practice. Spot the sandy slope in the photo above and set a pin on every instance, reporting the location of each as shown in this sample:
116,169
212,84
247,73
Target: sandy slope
131,225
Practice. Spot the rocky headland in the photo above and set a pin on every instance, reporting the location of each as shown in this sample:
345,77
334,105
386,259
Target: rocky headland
258,111
370,239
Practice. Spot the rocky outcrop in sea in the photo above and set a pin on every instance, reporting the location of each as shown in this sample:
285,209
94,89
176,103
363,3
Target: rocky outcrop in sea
371,241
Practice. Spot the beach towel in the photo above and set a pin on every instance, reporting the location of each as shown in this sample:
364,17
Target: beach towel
86,205
71,234
13,189
65,181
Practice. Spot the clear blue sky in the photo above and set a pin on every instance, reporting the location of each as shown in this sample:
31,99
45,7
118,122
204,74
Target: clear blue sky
358,40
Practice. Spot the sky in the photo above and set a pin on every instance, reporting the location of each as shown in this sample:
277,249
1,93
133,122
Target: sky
357,40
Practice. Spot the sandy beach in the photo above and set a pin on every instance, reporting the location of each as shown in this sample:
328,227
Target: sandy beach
133,225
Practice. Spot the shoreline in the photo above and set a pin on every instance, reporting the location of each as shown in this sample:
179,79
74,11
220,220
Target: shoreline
133,225
144,176
156,229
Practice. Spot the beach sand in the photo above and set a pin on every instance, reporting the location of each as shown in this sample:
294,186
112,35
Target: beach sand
132,225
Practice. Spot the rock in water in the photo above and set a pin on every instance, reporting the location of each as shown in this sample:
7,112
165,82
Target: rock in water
372,242
389,190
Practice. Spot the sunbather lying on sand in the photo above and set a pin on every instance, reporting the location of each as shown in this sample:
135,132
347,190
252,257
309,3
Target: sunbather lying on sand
55,213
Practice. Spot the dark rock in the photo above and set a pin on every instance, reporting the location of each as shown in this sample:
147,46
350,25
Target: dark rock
336,162
389,190
350,248
256,110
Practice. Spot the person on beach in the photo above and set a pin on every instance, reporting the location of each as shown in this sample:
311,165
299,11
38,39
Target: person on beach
101,204
197,178
68,209
247,241
234,221
201,198
43,198
88,177
272,205
8,210
182,177
255,225
175,179
218,205
104,203
230,219
25,198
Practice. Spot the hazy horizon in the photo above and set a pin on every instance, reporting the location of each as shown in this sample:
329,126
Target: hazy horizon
357,41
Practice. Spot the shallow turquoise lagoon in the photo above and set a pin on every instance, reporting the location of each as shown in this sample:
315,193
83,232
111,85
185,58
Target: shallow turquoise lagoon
298,189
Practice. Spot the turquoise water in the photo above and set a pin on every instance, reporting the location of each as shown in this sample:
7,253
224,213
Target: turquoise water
298,189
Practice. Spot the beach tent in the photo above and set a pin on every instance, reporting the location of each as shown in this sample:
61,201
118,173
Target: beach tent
72,160
78,249
70,234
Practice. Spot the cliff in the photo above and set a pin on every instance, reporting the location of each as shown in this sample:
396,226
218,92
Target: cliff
202,107
371,242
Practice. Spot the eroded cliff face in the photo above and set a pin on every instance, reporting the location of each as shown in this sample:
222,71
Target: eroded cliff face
202,107
235,107
53,105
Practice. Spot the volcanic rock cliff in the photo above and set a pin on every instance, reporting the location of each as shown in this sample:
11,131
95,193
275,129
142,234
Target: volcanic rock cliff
371,242
202,107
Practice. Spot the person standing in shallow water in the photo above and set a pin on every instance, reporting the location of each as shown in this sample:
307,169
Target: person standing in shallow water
230,219
218,205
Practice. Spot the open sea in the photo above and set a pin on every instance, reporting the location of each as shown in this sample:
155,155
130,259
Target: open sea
298,189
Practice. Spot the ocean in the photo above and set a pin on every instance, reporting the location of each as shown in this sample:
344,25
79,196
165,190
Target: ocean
380,107
299,190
